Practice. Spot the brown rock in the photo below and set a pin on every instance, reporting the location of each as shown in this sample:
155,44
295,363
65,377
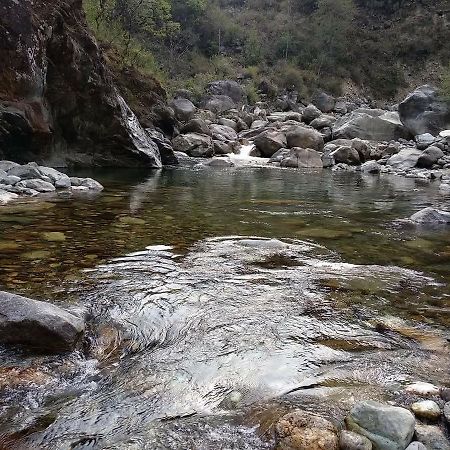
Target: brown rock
300,430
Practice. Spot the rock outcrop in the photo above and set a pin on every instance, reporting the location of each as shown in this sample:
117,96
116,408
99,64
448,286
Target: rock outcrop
58,103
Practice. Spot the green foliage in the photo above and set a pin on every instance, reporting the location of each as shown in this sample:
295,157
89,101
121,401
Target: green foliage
253,51
252,93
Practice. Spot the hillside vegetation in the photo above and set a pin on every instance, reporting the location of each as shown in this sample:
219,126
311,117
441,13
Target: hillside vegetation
375,46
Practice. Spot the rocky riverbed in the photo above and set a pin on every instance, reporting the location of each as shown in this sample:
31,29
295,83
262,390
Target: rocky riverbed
410,139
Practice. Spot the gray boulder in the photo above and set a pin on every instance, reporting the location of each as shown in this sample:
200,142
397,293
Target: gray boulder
8,165
424,111
26,172
222,148
324,102
270,141
184,109
346,155
387,427
233,123
424,140
229,88
370,124
302,158
352,441
218,103
371,167
38,325
58,178
323,121
196,125
407,158
36,184
223,133
305,138
197,145
416,446
431,216
429,157
91,184
310,113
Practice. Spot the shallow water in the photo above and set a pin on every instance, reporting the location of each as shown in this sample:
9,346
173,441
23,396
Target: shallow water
218,299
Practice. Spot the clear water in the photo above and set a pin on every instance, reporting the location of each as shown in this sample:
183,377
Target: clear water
218,300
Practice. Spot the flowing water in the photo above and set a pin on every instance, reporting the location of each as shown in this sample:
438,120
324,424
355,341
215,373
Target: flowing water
217,300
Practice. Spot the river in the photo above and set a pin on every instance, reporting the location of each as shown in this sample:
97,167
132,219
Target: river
217,300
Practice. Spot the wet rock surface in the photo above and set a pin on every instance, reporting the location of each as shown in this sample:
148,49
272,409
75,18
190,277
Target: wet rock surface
58,102
38,325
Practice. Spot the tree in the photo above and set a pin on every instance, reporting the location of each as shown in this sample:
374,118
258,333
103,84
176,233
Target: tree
332,25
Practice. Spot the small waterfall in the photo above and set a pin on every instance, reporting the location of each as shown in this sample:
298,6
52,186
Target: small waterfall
140,139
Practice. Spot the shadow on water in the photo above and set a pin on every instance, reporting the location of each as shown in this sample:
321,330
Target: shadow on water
202,335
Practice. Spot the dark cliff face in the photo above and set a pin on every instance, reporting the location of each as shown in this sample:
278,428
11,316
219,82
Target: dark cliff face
58,102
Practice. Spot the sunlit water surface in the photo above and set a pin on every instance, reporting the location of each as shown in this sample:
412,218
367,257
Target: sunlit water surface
219,299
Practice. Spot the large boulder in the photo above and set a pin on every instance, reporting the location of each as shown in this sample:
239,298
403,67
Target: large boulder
406,158
324,102
305,138
218,103
197,145
370,124
223,133
310,113
230,88
300,430
346,154
270,141
38,325
430,157
184,109
424,111
196,125
302,158
387,427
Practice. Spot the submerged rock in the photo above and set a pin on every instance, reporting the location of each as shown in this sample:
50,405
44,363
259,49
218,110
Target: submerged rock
388,427
300,430
431,216
38,325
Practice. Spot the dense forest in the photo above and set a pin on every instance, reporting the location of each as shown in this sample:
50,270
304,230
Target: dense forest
373,45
